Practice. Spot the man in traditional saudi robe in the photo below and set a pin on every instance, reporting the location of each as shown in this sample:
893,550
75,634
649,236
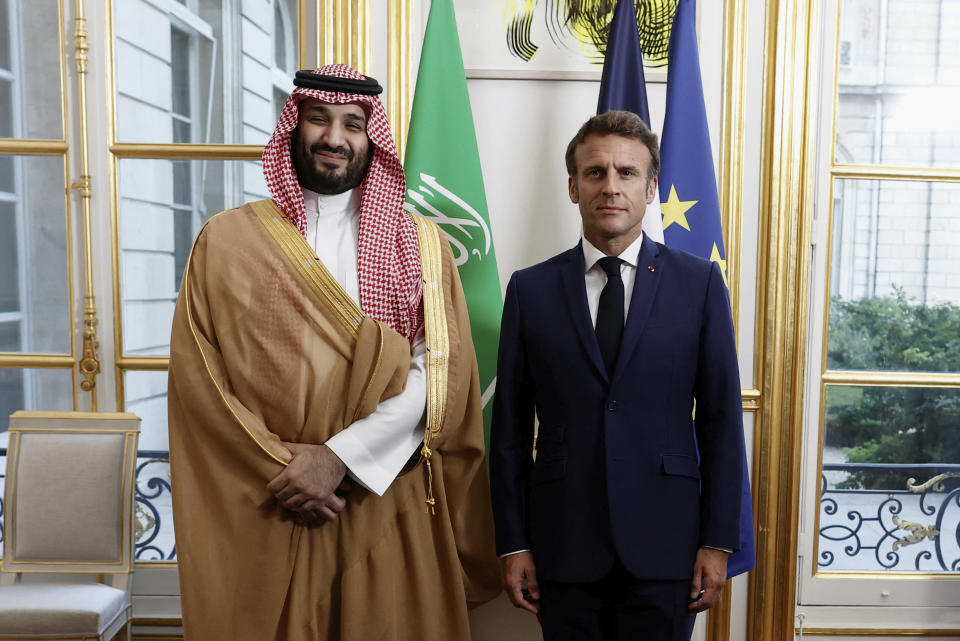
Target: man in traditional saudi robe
326,442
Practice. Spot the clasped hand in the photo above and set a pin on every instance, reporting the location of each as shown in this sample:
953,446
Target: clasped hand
313,485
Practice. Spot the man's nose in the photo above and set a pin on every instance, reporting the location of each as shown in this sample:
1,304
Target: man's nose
611,184
335,135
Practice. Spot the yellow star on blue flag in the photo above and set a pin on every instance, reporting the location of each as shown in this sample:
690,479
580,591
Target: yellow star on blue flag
715,258
675,210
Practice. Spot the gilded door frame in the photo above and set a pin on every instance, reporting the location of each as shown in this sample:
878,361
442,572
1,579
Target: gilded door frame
786,198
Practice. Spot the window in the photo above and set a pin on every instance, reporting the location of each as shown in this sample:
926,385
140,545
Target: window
285,53
883,488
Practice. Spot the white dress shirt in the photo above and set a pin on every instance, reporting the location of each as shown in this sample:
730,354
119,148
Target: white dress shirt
596,278
374,448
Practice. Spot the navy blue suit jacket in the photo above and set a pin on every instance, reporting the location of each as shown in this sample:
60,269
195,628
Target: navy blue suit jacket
620,468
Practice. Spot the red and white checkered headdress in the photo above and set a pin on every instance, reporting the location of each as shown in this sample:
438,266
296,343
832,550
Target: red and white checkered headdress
388,252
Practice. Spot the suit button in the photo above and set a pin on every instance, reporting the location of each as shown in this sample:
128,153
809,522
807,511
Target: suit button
612,406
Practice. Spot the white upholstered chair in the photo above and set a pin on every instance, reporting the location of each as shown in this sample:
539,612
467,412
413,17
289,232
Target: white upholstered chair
68,514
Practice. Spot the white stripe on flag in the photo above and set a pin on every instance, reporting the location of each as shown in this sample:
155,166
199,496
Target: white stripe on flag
488,393
653,219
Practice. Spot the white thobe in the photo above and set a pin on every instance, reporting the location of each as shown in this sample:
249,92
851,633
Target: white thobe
374,448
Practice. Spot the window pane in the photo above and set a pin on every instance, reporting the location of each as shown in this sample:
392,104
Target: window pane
30,70
5,56
35,390
9,259
145,395
279,41
895,295
180,71
899,81
163,203
6,173
33,253
279,100
878,509
10,336
7,123
209,63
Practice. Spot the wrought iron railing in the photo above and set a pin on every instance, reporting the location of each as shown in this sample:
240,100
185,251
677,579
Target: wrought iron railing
913,528
153,513
153,508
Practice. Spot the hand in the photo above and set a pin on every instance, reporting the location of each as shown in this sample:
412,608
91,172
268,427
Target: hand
709,574
311,512
309,484
517,569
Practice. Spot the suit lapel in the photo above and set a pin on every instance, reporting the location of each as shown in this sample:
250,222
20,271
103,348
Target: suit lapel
641,301
575,288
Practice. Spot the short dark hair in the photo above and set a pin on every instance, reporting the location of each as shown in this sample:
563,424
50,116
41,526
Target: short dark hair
616,123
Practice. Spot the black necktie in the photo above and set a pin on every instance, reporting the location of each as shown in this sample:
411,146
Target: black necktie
610,312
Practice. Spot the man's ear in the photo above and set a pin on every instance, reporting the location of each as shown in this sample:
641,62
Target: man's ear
652,189
574,192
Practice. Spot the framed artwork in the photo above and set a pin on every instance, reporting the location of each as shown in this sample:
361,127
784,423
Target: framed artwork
554,39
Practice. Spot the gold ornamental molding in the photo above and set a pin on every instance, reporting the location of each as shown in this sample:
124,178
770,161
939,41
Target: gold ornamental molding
751,400
786,197
398,62
935,484
157,363
187,151
891,379
918,532
89,365
344,30
732,129
27,147
868,172
718,617
52,361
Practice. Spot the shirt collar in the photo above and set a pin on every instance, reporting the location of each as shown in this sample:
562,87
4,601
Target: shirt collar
630,255
329,204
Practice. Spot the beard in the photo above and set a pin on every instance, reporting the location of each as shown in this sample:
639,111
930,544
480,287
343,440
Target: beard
317,177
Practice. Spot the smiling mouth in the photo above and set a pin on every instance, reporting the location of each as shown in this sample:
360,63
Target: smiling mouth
328,157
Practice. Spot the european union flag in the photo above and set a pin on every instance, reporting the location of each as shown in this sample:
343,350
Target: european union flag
623,87
689,203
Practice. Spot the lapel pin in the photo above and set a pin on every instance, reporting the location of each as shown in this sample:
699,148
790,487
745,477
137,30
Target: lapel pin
651,268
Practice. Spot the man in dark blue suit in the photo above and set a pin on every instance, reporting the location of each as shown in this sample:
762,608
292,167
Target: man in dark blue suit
620,526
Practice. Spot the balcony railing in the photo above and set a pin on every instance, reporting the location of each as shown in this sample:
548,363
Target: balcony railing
912,528
153,513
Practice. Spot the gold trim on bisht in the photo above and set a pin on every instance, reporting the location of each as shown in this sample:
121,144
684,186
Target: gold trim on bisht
438,340
311,268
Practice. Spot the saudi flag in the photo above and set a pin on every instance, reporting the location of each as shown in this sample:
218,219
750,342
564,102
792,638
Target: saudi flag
444,183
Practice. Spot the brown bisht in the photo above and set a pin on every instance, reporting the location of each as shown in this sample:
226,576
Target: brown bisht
267,347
